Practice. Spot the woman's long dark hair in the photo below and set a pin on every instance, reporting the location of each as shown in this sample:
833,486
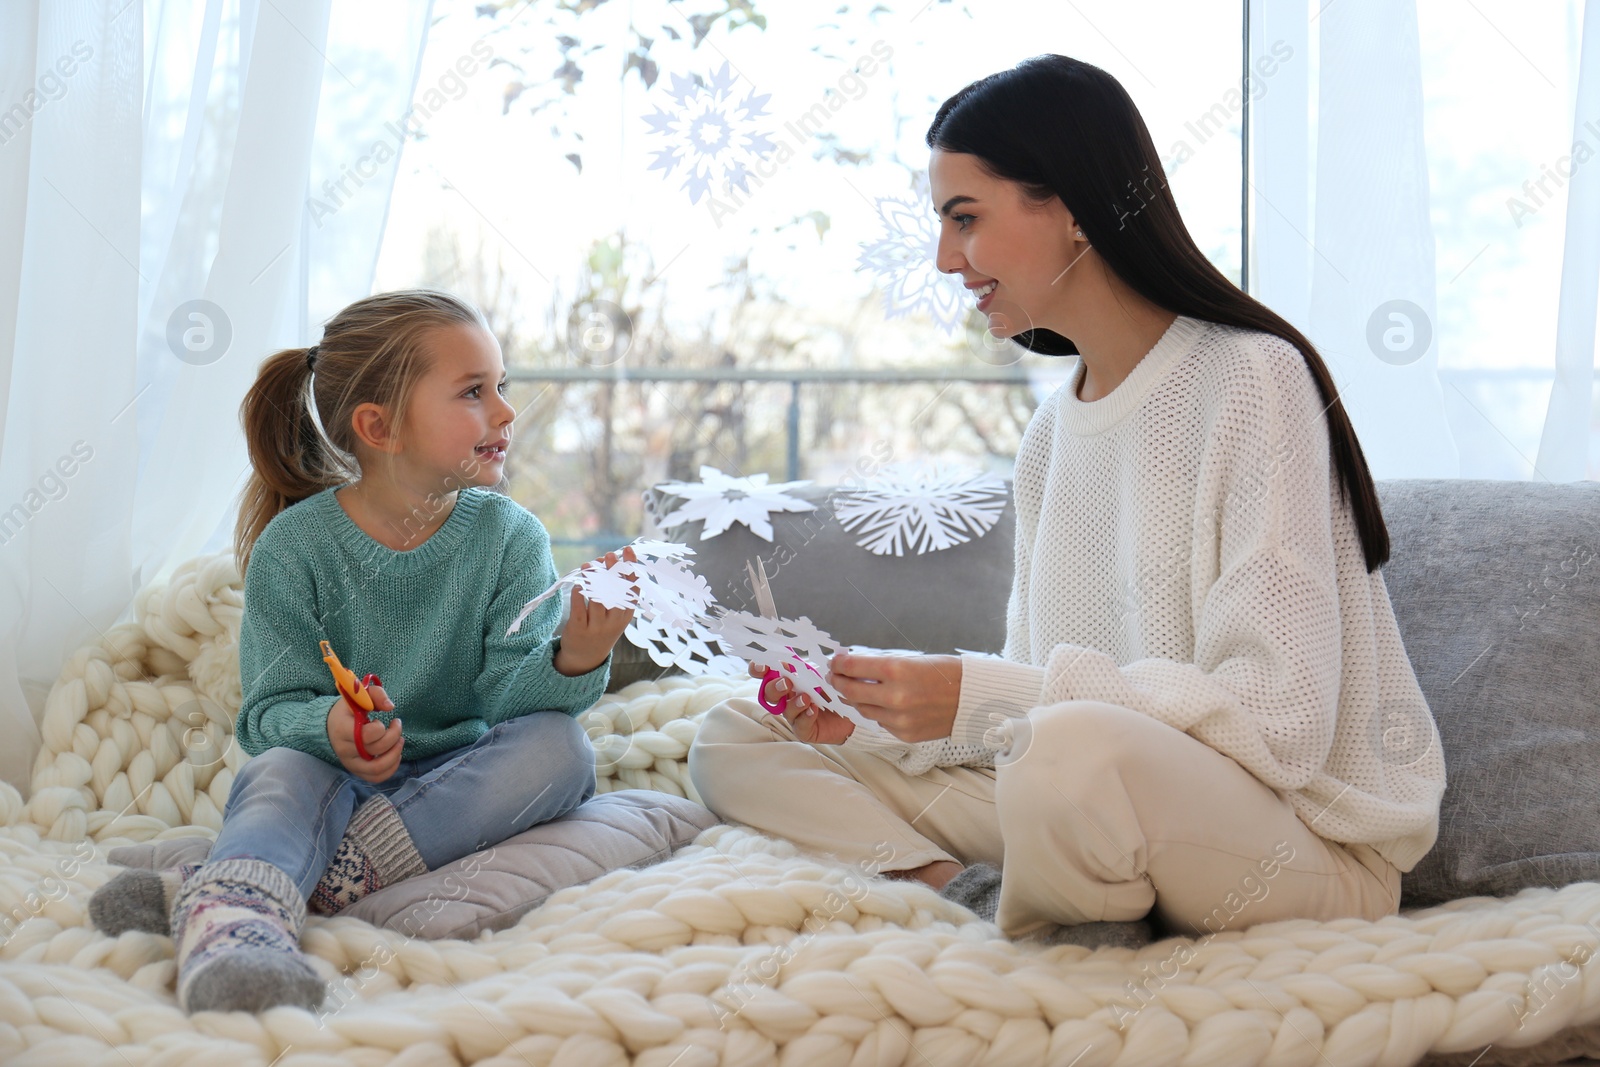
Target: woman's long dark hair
1063,128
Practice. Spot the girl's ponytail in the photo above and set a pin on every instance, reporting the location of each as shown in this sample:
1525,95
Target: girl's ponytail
289,459
371,352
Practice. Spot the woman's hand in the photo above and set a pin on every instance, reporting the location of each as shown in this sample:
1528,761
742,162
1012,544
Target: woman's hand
383,743
592,628
913,697
811,724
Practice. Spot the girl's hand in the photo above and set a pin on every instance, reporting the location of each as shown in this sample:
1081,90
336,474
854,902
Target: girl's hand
383,743
913,697
812,724
592,628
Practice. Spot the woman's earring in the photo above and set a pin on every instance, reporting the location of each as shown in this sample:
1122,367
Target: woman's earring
1080,233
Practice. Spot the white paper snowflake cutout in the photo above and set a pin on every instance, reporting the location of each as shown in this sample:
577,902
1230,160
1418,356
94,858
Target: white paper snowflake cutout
721,500
673,593
713,131
660,583
903,263
669,602
693,649
921,509
615,587
648,548
796,647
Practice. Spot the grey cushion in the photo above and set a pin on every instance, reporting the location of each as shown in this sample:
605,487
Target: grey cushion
1494,586
492,889
159,855
936,602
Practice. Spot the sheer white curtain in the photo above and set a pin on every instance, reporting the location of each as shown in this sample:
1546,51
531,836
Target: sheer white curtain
185,186
1343,239
1565,441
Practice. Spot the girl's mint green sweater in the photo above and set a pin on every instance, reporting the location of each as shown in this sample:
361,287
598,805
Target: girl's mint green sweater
430,622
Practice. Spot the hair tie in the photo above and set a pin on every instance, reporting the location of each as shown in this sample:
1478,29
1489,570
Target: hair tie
311,355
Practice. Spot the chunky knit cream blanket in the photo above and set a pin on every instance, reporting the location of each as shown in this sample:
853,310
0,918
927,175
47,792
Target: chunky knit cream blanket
738,950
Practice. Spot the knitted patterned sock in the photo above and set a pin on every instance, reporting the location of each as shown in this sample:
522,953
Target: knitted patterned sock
977,889
237,926
376,851
139,899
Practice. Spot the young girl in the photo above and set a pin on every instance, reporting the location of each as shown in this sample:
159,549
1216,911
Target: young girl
1204,712
408,564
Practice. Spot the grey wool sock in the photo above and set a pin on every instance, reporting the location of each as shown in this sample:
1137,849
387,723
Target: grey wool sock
1132,934
237,927
978,890
138,899
376,851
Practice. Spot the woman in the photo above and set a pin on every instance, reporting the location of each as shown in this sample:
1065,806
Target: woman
1204,713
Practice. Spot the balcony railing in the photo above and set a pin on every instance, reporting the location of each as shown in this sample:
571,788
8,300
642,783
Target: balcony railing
795,378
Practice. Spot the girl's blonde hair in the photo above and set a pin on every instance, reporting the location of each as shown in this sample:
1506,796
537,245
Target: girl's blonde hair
371,352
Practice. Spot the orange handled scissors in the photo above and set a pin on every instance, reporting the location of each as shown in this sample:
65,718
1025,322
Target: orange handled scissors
354,692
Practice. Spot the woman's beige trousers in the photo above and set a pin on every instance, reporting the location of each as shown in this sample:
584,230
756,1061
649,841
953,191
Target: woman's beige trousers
1096,812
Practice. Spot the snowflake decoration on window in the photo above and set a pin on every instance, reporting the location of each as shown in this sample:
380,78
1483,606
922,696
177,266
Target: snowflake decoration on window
712,130
721,500
904,265
922,509
795,647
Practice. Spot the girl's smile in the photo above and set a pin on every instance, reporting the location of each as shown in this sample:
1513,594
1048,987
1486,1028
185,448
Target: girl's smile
462,405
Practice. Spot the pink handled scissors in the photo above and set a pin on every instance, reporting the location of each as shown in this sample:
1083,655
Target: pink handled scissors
768,609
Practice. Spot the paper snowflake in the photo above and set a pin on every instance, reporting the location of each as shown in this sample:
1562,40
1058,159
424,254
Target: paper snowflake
795,647
713,131
669,602
903,263
922,509
670,591
693,649
721,500
660,583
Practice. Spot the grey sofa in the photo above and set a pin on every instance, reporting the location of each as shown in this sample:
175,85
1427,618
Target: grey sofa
1494,585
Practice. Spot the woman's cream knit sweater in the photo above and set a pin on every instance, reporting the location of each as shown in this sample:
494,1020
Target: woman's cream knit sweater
1183,550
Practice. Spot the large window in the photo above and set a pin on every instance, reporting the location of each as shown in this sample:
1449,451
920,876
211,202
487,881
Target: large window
1499,80
702,230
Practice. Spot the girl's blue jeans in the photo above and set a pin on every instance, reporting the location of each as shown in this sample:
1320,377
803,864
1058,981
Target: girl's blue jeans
291,808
